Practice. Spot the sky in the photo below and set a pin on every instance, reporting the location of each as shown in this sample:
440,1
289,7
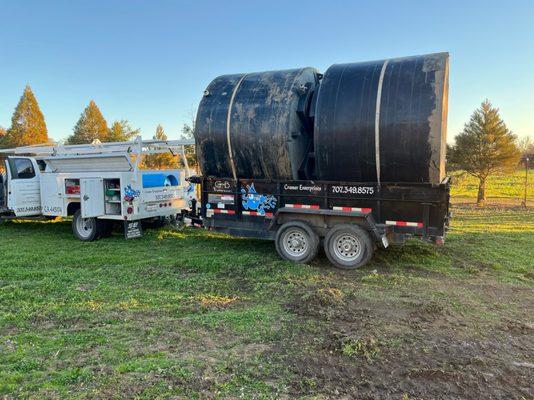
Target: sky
150,61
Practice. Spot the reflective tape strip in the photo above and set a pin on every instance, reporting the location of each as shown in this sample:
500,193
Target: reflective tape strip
352,209
257,214
405,223
313,206
218,211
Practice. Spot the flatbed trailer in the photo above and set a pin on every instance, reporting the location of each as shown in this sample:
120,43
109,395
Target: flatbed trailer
350,218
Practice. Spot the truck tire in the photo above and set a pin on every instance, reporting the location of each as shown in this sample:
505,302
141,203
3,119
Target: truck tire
296,241
85,229
348,246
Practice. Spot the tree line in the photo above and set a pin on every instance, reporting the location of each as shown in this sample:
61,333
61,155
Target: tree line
28,127
484,147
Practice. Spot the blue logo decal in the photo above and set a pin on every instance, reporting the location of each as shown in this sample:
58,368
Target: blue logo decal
257,202
130,193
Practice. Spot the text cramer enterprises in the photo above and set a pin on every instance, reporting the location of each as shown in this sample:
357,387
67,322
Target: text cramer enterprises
303,188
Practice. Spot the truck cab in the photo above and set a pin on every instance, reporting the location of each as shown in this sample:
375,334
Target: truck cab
20,193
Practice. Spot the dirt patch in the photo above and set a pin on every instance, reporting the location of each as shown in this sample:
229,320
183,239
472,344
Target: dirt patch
366,348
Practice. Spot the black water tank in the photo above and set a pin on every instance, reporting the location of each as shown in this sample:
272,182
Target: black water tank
375,121
253,125
383,120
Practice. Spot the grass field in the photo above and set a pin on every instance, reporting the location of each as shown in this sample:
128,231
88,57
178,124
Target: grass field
500,189
197,315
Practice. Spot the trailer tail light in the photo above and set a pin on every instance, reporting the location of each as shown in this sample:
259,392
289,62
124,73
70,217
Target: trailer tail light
129,210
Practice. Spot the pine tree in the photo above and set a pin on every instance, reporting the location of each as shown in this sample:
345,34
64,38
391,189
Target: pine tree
121,131
485,146
163,160
27,124
90,126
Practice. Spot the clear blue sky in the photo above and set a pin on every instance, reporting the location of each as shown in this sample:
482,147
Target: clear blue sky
149,61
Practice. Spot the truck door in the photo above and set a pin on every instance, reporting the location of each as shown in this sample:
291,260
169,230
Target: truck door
92,197
3,189
23,192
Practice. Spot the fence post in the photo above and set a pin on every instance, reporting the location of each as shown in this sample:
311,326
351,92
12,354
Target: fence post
526,182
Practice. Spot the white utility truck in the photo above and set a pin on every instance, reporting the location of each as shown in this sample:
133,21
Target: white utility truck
96,184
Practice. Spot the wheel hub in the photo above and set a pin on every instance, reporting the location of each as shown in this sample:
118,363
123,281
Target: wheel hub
295,242
347,247
85,226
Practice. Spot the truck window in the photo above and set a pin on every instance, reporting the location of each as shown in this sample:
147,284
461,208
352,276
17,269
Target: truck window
42,165
22,168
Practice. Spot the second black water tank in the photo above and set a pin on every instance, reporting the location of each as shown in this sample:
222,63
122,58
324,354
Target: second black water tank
383,121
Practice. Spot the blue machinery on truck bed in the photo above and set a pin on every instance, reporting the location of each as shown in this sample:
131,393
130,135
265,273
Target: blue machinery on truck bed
354,156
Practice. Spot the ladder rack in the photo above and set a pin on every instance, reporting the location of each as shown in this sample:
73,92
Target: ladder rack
137,146
130,150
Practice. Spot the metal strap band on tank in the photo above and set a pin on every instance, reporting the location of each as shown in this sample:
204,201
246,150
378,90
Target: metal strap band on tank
228,121
377,120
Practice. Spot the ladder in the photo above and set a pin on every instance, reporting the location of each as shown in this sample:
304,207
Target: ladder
137,146
132,150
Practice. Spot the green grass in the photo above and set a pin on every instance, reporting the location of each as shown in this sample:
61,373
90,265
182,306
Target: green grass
508,188
199,315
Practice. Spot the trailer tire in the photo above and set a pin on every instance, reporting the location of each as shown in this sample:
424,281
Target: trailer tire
85,229
348,246
296,241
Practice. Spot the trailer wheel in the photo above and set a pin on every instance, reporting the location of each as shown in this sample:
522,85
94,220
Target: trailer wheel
348,246
85,229
296,241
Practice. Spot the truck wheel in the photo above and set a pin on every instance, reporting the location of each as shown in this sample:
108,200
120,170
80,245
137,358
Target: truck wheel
296,241
348,246
85,229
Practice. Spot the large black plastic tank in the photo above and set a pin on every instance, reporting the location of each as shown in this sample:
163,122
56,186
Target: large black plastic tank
380,121
383,121
254,125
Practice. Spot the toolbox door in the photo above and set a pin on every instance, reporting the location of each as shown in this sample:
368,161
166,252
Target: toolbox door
92,197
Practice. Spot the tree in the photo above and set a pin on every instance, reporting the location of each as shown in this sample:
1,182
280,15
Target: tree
27,124
526,145
163,160
121,132
485,146
190,154
2,137
90,126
